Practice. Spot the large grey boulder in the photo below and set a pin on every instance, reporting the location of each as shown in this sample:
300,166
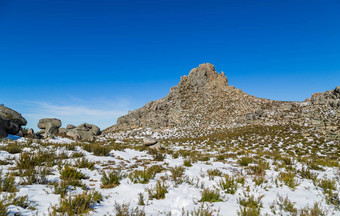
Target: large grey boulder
151,142
85,132
89,128
10,121
49,126
70,126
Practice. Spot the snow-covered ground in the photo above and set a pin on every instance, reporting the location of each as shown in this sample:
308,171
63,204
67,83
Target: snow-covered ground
263,183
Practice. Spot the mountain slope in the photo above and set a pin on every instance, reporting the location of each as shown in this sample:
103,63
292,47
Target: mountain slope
203,102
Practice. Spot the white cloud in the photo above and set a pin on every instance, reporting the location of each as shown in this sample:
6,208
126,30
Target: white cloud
98,112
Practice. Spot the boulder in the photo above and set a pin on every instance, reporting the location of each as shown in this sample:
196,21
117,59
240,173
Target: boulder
151,142
70,126
10,121
90,128
86,132
49,126
148,140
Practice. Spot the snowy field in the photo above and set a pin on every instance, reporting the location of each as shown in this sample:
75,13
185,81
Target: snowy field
276,172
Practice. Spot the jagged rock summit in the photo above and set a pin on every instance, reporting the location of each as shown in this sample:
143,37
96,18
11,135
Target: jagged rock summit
203,102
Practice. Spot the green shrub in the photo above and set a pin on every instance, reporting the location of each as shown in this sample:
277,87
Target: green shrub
12,148
249,205
144,176
284,205
187,163
84,163
7,184
288,178
124,210
209,195
23,202
69,173
313,211
110,179
97,149
203,210
77,205
245,161
158,192
228,184
177,173
35,175
4,208
214,172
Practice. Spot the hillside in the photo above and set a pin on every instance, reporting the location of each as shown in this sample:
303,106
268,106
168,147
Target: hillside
203,103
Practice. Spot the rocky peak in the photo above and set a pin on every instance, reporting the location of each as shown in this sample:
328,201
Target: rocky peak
204,77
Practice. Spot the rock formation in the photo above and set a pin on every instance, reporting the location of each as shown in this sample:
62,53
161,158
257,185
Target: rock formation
203,102
10,121
85,132
331,98
49,127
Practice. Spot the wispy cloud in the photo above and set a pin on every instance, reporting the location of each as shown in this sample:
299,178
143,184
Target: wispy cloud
103,113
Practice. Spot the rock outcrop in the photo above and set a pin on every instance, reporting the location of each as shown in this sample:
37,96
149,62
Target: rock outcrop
331,98
203,102
85,132
49,127
10,121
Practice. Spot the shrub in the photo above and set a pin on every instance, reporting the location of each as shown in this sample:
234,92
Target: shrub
245,161
124,210
228,184
7,184
23,202
97,149
313,211
285,205
203,210
144,176
4,208
158,192
69,173
35,175
209,195
214,172
288,178
249,205
12,148
307,174
84,163
78,205
141,199
187,163
157,155
110,179
177,173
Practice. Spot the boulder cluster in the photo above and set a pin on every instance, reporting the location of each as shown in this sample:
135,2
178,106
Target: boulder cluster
10,121
50,127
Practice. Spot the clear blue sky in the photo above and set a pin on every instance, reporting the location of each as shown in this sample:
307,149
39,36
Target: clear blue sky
93,60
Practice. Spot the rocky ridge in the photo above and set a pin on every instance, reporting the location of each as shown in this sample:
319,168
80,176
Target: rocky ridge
203,102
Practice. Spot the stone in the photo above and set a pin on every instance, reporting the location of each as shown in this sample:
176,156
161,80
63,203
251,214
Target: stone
70,126
62,131
148,140
85,131
151,143
90,128
49,126
10,121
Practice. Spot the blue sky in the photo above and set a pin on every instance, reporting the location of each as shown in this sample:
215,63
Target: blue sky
93,60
